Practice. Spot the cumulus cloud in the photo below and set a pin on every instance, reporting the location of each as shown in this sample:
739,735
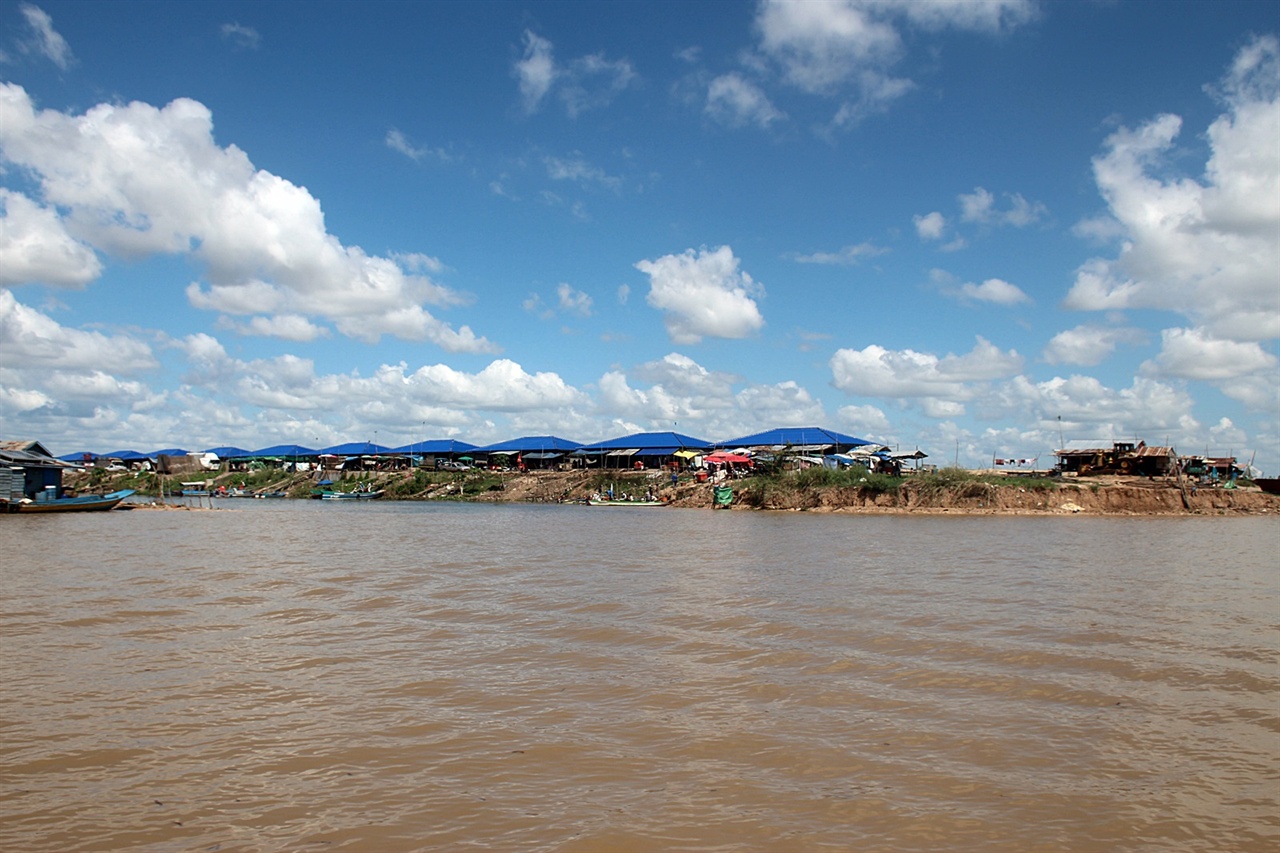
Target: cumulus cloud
993,290
52,374
941,384
1091,409
137,180
931,226
35,247
32,340
735,101
846,48
677,390
1204,248
1088,345
585,83
1194,354
703,294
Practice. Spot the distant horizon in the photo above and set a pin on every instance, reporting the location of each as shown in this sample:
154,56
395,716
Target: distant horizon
976,228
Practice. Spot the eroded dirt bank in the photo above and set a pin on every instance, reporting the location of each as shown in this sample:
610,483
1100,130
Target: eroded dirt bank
1113,496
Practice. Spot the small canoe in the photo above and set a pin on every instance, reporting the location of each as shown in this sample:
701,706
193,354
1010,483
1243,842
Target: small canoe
603,502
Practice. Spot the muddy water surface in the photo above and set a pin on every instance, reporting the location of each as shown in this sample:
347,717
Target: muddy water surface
299,676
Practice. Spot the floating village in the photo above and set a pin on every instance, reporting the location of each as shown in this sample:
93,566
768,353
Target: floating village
786,468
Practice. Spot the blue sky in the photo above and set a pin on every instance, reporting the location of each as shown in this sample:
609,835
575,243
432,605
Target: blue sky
971,227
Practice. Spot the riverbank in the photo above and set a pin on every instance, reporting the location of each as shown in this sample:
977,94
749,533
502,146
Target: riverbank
952,491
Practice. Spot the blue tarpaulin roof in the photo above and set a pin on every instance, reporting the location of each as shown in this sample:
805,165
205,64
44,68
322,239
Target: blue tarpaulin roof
437,446
78,457
356,448
796,437
671,441
169,451
227,451
285,450
530,444
129,455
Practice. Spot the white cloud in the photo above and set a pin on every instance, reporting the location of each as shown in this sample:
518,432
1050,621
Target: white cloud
44,39
931,226
35,247
579,171
241,36
980,207
940,383
51,374
735,101
1206,250
824,43
846,256
677,392
536,71
31,340
288,327
703,294
864,420
993,290
1089,345
585,83
593,81
397,141
136,180
844,48
573,300
1090,409
1194,354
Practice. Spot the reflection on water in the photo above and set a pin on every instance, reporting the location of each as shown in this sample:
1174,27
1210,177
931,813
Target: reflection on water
298,675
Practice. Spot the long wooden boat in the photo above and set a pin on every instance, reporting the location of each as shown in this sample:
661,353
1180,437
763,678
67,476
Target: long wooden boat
607,502
1270,485
83,503
350,496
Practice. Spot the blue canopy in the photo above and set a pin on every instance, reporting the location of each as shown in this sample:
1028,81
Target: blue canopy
796,437
437,447
530,444
126,455
285,450
227,451
82,456
169,451
356,448
671,441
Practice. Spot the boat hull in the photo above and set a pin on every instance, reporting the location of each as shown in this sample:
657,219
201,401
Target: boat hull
86,503
625,503
1270,485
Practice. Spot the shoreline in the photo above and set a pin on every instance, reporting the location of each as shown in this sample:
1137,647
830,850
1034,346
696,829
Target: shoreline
1102,496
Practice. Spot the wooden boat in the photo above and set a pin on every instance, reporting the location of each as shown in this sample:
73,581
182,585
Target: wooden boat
349,496
83,503
1270,485
607,502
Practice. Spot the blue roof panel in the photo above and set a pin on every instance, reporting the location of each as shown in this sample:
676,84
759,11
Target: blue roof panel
795,436
530,444
650,441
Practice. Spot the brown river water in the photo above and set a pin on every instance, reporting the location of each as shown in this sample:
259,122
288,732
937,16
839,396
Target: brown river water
308,676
